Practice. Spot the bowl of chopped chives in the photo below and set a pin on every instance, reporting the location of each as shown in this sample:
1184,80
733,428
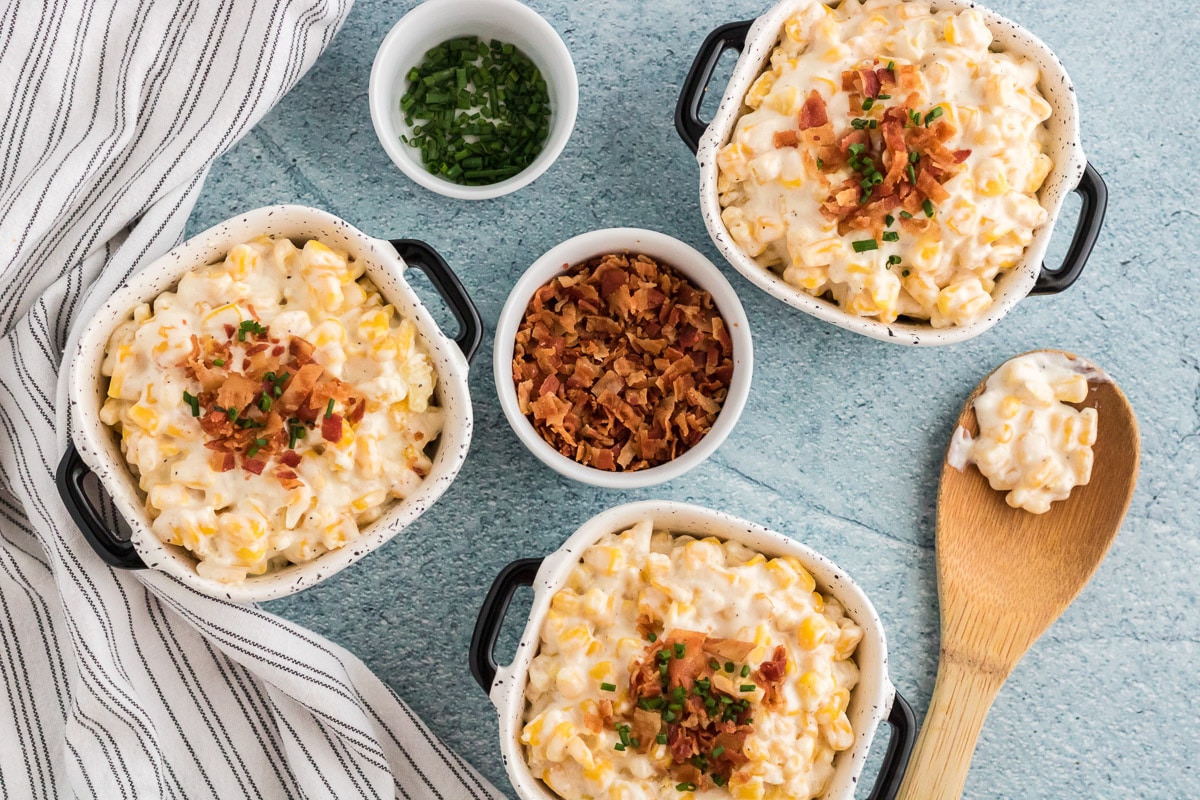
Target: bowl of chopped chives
473,99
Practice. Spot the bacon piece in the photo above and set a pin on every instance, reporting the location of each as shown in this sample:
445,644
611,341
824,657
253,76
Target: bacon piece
788,138
291,458
961,155
222,462
813,113
645,727
237,391
930,187
772,671
693,665
229,330
302,350
287,479
870,82
298,388
728,649
331,428
255,465
606,712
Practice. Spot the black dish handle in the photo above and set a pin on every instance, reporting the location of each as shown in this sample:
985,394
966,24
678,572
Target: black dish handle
470,325
1094,193
895,760
695,85
115,551
491,615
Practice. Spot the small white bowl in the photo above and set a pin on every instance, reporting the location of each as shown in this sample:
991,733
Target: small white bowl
436,21
667,250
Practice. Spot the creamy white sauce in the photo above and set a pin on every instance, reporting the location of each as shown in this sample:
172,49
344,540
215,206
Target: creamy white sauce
772,196
590,637
1031,444
237,523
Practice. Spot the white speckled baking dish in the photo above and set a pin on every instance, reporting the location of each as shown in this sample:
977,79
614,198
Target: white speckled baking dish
98,449
873,700
1071,172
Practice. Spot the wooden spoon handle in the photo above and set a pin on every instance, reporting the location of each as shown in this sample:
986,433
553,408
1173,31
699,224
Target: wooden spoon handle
961,699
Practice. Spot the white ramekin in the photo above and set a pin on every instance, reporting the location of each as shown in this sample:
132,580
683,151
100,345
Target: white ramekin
873,700
435,21
1065,176
667,250
99,449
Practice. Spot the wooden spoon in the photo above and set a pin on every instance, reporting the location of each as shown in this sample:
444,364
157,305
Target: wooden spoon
1004,575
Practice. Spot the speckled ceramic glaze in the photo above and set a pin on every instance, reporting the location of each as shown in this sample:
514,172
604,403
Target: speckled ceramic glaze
870,702
1011,287
99,448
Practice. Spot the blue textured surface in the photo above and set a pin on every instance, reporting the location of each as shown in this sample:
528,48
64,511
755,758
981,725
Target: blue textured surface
843,437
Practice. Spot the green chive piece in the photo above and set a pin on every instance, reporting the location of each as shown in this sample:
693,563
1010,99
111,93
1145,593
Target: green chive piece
862,246
905,215
608,687
883,97
932,115
680,649
745,670
891,65
928,207
719,780
748,687
891,236
329,409
717,751
653,637
889,220
905,274
714,664
218,362
686,787
820,163
729,666
193,402
264,402
867,103
619,746
661,738
893,260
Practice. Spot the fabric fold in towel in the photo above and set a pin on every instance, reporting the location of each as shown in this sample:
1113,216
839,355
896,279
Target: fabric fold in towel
132,685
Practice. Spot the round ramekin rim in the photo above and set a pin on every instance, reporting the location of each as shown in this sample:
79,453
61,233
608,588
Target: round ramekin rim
633,240
383,93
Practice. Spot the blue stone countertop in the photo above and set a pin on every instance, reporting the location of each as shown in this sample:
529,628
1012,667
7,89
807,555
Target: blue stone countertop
842,441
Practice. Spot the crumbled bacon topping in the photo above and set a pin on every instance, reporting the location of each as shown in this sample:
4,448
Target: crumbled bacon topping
259,412
621,363
672,686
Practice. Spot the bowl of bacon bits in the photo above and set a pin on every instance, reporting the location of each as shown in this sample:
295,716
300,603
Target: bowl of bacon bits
623,358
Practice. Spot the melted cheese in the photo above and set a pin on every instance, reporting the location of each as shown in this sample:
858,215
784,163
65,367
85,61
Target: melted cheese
237,523
771,196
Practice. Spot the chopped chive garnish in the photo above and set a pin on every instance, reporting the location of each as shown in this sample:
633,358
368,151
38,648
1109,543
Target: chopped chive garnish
927,206
264,402
914,116
893,260
729,666
618,746
905,274
652,636
329,409
891,236
912,178
685,787
218,362
714,664
914,157
891,65
250,326
859,124
747,687
608,687
669,716
820,163
862,246
905,215
680,649
932,115
745,670
478,111
717,751
661,738
232,413
193,402
719,780
883,97
889,220
867,103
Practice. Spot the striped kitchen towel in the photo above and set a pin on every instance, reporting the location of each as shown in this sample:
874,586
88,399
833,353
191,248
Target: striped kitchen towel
130,685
